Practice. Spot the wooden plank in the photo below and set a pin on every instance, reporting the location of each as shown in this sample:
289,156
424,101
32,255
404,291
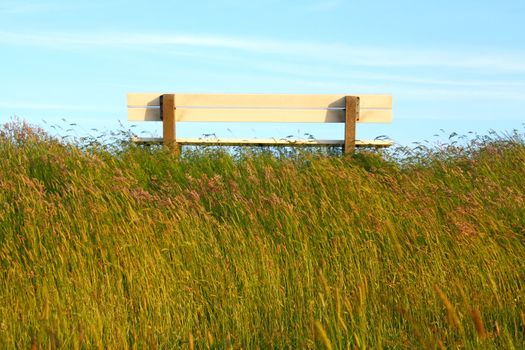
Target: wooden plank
144,114
144,99
277,142
351,117
260,115
261,100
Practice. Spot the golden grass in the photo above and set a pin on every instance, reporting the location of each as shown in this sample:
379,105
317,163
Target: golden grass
128,247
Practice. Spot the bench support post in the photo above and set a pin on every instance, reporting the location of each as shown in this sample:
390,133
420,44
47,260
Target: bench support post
167,115
351,117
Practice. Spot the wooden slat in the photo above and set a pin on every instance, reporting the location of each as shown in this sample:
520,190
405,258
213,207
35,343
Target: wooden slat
260,100
260,115
144,99
238,142
144,114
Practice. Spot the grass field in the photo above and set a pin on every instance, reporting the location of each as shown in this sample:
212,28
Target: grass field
127,247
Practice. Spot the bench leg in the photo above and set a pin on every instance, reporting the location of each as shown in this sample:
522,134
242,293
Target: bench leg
351,117
169,135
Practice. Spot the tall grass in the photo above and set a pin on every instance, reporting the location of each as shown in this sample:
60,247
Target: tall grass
131,247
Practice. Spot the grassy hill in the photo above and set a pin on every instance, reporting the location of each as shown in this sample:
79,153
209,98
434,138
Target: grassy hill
116,247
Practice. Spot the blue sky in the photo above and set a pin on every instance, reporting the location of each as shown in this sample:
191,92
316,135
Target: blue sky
452,65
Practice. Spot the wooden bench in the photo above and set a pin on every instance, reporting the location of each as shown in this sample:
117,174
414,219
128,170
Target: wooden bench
172,108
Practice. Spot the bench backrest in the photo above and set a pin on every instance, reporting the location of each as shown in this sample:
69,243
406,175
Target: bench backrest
260,108
172,108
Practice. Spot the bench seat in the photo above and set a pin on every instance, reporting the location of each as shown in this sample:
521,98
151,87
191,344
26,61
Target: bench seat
263,142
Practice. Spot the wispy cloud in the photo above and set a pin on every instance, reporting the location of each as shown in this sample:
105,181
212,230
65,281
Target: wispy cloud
337,73
347,63
25,7
339,53
18,105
